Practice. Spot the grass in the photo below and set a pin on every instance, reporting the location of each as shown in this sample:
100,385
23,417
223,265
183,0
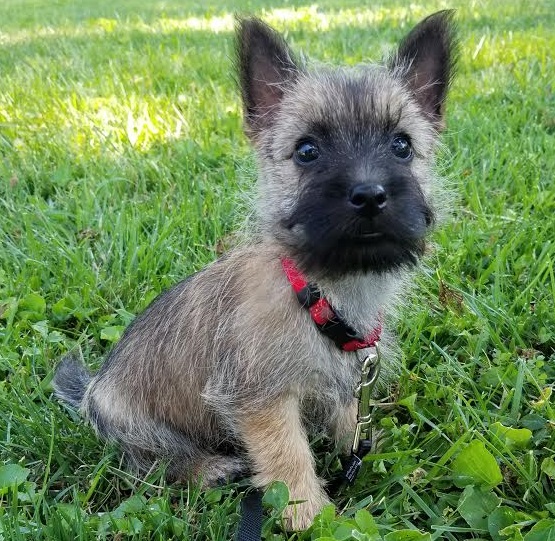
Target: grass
121,157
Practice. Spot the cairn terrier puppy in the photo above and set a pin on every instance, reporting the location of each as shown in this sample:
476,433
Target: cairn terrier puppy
223,374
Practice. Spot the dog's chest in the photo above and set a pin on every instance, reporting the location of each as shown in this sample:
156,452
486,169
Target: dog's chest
333,377
362,299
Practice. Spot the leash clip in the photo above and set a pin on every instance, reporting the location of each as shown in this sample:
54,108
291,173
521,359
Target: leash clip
370,372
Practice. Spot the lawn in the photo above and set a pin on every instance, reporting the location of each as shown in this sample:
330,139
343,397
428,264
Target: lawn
123,169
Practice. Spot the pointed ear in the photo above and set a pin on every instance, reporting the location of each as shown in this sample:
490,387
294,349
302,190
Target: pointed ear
427,58
266,67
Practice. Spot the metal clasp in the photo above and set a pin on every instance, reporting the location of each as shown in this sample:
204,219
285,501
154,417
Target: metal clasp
370,372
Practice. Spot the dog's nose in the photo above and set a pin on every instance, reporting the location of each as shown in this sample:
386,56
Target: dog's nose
369,199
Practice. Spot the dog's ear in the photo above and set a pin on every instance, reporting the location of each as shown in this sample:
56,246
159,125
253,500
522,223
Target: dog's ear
266,66
427,58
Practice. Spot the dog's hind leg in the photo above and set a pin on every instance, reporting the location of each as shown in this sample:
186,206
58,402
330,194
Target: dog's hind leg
204,468
215,469
147,442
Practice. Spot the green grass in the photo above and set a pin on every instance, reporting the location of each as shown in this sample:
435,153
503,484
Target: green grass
121,164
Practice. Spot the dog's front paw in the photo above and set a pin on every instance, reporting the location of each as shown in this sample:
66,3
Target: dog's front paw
300,513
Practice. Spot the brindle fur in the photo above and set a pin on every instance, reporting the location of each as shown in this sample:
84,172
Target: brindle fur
224,373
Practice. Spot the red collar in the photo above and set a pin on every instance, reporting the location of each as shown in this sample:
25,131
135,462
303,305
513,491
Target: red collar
328,320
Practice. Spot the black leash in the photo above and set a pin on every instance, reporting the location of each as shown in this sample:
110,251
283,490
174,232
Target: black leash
250,525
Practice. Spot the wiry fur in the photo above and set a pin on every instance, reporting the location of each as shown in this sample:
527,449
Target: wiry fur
222,374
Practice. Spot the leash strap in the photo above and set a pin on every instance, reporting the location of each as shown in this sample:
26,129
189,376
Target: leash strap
250,524
362,440
352,465
369,376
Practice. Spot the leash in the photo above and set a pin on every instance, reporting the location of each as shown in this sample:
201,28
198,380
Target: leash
362,440
330,323
250,525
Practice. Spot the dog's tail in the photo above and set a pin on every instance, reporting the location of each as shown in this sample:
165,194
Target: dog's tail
71,380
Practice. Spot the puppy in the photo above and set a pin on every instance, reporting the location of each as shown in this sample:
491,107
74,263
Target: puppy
224,373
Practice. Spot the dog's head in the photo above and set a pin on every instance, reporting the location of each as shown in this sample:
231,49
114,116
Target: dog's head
346,155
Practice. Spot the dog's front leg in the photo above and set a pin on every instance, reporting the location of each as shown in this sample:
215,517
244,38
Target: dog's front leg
278,449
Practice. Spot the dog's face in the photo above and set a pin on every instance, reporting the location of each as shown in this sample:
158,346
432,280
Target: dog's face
346,156
353,167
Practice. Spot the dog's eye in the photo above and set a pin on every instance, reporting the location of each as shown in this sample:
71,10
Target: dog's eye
306,152
400,146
